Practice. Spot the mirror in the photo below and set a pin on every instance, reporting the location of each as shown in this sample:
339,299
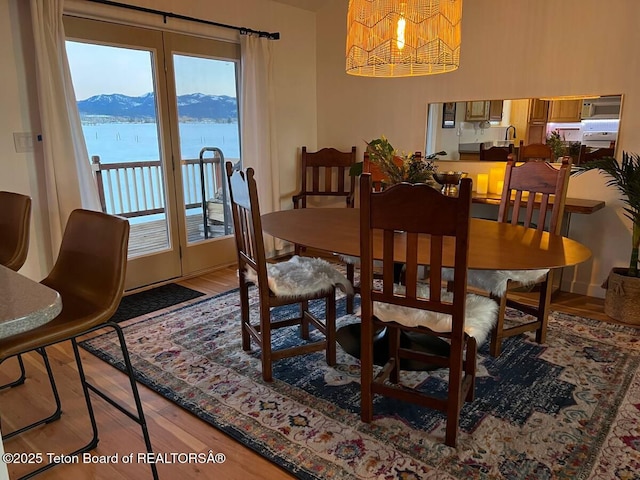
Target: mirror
574,126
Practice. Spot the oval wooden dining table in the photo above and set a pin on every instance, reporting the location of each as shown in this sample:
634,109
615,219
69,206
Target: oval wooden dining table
492,245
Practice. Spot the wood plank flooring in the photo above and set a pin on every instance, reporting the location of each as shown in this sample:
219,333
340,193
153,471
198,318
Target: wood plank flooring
172,429
148,237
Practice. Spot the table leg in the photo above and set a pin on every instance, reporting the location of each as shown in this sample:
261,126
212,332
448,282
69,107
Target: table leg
557,278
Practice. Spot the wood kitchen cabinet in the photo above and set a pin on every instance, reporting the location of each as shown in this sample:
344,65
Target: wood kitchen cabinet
482,111
537,124
495,110
538,111
565,110
477,111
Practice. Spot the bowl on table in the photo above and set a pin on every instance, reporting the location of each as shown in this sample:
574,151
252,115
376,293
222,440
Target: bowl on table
449,181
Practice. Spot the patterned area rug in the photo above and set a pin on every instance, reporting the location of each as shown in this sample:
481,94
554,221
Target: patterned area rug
565,410
138,304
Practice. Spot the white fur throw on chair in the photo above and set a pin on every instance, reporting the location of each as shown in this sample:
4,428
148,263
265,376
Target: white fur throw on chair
480,314
350,259
495,281
302,276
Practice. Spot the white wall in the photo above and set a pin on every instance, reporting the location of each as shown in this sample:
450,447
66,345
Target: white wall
510,49
21,172
294,83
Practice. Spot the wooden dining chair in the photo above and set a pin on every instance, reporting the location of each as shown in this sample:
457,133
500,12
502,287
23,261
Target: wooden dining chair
535,152
587,154
538,191
89,275
15,215
419,309
325,173
379,182
495,154
296,281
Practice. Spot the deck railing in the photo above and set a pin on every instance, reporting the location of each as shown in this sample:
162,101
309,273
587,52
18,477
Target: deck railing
135,189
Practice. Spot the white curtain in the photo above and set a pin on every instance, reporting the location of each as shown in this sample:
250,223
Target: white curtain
68,176
258,133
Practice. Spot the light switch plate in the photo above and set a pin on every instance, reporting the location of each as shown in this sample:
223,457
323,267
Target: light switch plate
23,142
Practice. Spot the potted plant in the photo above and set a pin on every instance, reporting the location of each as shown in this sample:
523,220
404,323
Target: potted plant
561,148
622,301
398,167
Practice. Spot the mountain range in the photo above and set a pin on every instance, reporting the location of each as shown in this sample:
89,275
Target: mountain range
191,107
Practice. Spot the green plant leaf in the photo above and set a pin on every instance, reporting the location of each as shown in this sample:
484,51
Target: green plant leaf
356,169
625,177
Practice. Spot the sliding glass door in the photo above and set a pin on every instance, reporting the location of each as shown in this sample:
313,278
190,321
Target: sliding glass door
157,124
205,136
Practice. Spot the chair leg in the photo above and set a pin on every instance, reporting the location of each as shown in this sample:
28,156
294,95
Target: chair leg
138,416
245,317
351,277
497,333
85,390
20,380
543,307
394,346
54,390
304,322
330,327
366,371
470,366
453,396
265,343
93,443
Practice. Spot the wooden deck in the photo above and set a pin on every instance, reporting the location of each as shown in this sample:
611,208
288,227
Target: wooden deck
148,237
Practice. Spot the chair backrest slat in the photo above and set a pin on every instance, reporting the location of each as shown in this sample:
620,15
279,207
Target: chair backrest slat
435,267
539,185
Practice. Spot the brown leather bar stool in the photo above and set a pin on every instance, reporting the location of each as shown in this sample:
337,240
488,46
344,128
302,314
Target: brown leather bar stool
89,275
15,216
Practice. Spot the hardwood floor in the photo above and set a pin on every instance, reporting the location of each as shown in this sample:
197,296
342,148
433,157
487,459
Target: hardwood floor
172,429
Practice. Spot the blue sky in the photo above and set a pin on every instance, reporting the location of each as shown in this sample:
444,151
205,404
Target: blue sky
100,69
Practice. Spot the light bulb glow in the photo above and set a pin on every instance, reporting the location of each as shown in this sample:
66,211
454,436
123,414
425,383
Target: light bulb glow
400,33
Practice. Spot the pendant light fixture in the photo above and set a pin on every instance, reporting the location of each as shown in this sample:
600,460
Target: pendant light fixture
393,38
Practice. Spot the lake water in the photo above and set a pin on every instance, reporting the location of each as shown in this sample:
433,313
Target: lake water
134,142
131,142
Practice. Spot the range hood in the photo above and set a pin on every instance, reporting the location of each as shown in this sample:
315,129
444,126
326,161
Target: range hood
602,108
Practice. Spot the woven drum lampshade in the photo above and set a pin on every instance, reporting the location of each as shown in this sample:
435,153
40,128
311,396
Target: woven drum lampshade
392,38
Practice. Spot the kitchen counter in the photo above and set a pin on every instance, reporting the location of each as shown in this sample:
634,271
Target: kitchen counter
473,147
572,205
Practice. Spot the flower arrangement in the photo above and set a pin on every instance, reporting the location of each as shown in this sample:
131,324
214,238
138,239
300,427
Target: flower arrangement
561,147
399,167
